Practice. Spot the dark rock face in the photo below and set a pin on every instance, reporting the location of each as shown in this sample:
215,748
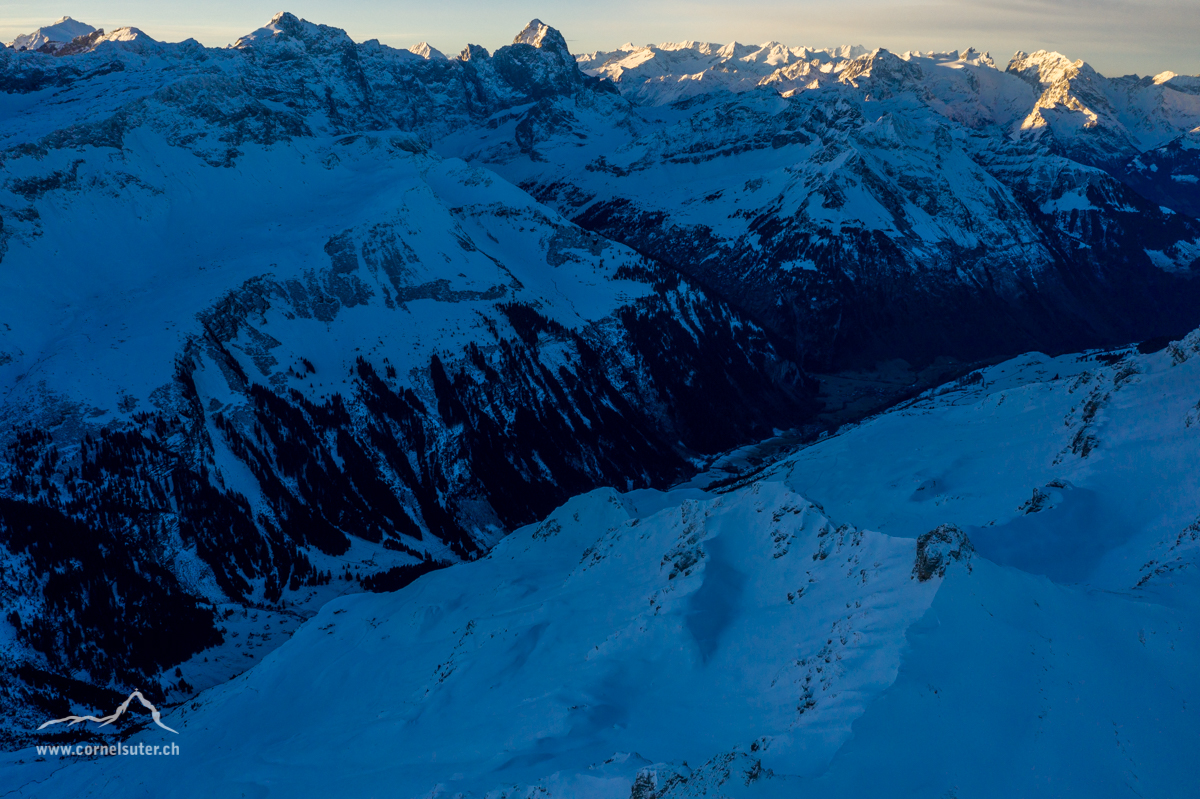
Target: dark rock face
504,435
826,240
1168,175
938,548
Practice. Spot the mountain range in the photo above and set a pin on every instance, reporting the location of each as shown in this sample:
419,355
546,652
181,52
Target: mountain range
304,316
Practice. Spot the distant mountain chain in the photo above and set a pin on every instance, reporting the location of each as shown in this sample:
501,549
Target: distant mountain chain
305,316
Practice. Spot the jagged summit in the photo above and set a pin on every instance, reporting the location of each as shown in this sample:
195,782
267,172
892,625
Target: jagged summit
1045,67
535,33
540,35
283,25
474,52
427,51
697,67
539,63
971,55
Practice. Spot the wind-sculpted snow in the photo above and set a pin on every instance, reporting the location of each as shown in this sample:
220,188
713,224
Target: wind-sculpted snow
1005,635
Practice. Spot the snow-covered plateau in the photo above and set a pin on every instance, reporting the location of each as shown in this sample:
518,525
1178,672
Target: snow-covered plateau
527,423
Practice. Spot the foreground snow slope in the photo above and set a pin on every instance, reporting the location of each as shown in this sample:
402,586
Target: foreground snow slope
746,640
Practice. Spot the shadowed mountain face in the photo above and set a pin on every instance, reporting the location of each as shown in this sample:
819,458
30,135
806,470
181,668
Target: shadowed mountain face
304,314
872,206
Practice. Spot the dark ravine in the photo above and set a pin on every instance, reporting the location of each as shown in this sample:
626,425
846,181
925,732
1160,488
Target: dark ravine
1039,278
500,435
892,308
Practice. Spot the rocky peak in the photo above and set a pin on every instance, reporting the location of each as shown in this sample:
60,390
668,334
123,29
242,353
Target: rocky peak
286,28
538,62
886,72
474,52
51,38
1044,68
82,44
540,35
973,56
427,51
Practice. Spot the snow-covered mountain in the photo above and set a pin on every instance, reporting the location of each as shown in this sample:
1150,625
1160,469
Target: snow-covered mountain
246,351
987,591
662,74
877,206
303,316
1169,174
52,38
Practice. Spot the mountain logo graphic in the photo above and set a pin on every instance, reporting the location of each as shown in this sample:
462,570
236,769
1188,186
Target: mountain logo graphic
104,721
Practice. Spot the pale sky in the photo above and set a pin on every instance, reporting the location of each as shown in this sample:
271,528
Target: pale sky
1117,37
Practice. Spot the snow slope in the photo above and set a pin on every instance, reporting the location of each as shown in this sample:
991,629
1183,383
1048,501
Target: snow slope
749,640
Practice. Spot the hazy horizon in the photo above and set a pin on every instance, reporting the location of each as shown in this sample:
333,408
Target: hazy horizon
1116,38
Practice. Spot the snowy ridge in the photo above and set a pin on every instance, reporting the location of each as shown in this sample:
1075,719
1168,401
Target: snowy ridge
1131,113
748,640
52,38
1099,119
668,72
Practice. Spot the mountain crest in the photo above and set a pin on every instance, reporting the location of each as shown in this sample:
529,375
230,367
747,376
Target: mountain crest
287,26
474,52
1045,68
538,62
52,38
540,35
887,72
427,51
